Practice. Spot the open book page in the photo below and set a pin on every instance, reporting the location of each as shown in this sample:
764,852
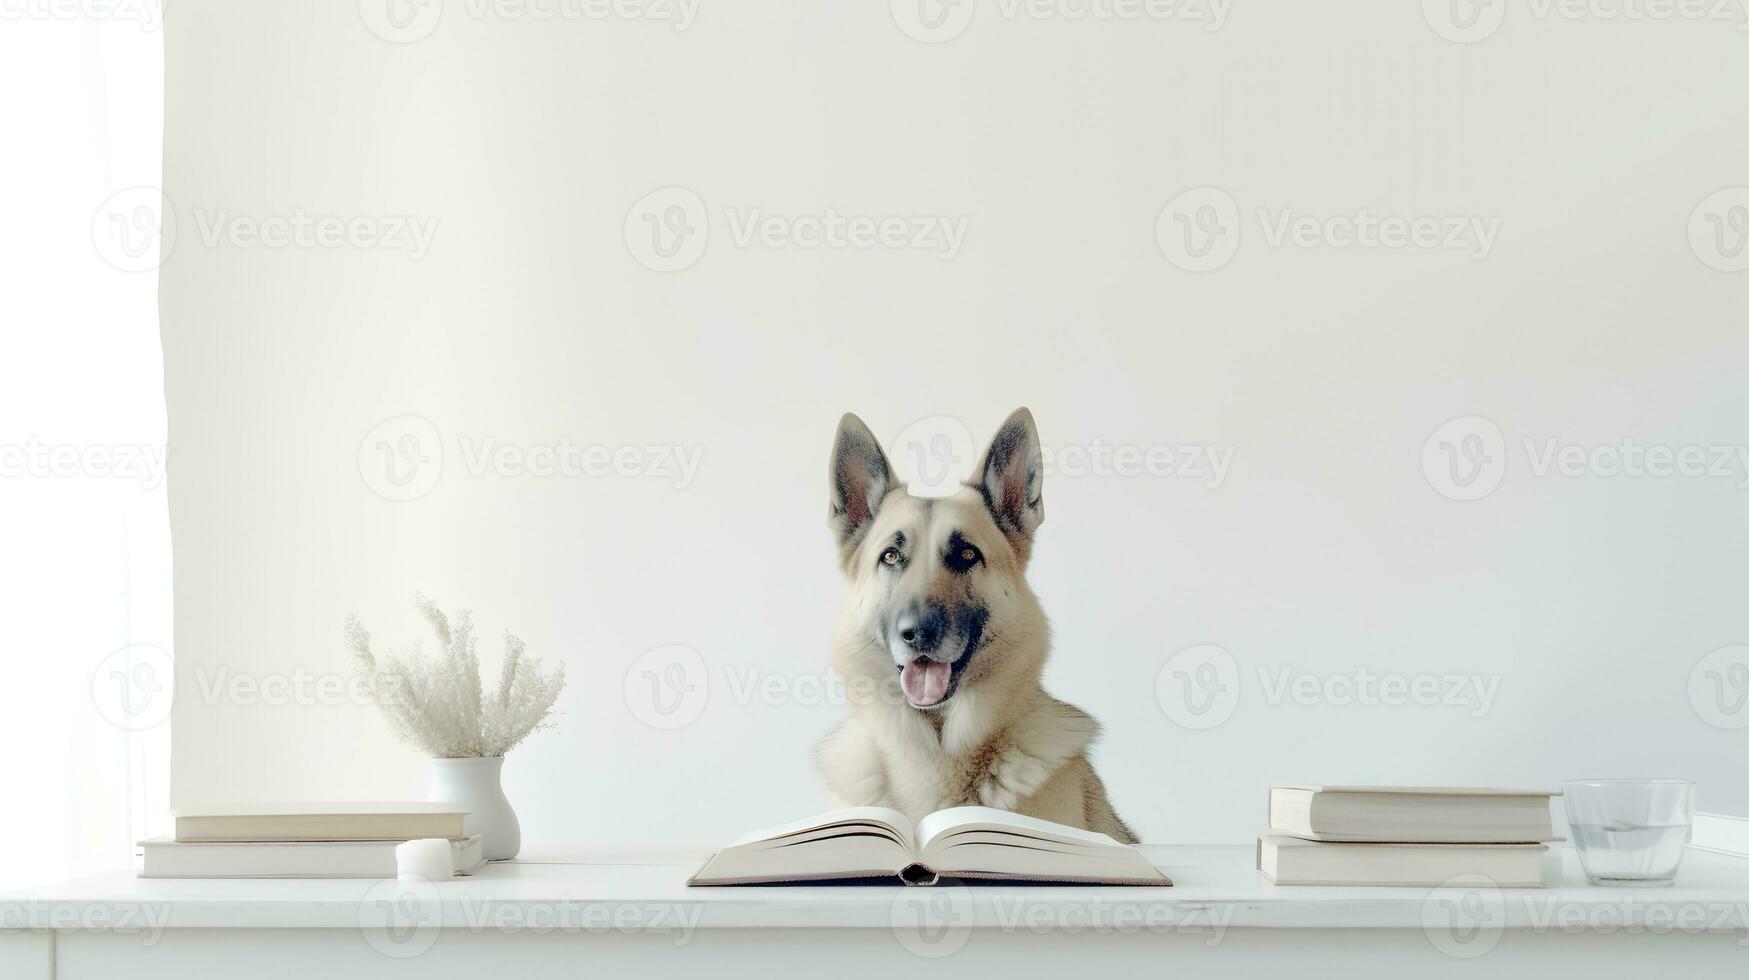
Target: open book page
978,841
966,818
877,817
850,843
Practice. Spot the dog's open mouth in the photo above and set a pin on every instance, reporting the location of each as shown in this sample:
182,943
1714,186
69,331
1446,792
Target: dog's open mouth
926,682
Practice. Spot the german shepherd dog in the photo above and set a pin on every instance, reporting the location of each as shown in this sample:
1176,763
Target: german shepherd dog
941,629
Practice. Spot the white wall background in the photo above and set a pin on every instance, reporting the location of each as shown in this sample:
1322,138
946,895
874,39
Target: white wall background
529,319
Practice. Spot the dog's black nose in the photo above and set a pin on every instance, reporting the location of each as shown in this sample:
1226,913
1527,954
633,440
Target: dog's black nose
922,629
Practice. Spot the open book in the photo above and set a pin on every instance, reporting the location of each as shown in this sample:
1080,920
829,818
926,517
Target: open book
961,842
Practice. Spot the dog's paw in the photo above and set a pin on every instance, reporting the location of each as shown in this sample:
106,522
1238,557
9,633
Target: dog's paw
852,767
1013,777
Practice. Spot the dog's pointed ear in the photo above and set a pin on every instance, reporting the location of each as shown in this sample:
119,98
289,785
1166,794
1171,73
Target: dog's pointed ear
1011,478
860,478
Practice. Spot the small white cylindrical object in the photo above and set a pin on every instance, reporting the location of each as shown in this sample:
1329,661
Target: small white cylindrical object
427,859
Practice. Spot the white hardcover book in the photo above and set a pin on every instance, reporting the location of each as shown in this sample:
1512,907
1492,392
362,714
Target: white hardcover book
1721,833
166,858
356,821
1412,814
1294,861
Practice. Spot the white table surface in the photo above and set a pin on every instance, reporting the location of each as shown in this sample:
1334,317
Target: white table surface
1215,884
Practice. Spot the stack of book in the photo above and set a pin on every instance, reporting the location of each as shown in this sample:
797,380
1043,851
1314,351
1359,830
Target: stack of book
1404,835
303,840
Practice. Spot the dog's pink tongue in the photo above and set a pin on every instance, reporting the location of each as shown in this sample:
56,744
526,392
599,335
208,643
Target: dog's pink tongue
925,681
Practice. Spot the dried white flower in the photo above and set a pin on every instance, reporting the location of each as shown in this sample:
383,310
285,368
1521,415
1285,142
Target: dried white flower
437,703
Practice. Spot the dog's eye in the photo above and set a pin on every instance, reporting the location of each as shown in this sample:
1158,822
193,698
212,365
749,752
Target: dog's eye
890,556
960,556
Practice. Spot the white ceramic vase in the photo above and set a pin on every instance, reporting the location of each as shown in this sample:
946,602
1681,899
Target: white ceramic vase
474,784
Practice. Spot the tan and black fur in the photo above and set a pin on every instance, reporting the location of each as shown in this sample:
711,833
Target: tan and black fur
938,581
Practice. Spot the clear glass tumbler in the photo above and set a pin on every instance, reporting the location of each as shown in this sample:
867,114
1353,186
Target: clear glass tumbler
1630,832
